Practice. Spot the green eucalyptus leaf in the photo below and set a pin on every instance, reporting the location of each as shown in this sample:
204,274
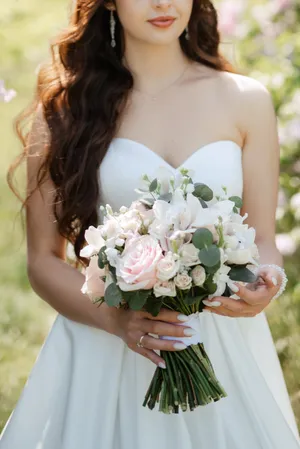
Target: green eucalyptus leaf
190,300
113,272
210,256
214,269
203,203
203,191
113,295
202,238
210,285
137,299
241,274
237,201
154,305
102,259
153,185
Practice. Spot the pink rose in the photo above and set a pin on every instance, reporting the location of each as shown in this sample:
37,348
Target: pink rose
94,285
136,268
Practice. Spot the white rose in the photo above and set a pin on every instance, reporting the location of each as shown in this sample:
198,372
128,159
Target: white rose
168,267
239,256
164,288
189,255
198,275
183,281
231,241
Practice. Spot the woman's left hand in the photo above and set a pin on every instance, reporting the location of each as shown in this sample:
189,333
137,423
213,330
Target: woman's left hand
254,298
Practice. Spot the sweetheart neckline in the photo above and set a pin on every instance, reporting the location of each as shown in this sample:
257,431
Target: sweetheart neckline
193,154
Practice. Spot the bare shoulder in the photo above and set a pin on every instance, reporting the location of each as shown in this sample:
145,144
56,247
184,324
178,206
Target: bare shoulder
245,91
244,95
250,100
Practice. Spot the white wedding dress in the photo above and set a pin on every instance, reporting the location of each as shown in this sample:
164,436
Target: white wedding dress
86,388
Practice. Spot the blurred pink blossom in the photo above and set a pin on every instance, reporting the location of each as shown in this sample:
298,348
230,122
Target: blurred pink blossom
6,95
230,12
283,4
285,244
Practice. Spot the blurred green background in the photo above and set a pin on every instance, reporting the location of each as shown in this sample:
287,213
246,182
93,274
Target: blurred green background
262,38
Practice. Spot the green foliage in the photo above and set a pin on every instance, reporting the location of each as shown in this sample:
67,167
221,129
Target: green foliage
265,44
203,192
113,295
242,274
210,256
202,238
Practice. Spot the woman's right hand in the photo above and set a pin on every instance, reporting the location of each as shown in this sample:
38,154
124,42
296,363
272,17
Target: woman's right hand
131,326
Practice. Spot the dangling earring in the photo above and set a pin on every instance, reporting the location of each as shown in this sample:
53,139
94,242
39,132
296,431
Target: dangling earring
187,34
112,28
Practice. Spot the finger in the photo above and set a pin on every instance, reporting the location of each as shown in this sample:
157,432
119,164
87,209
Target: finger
166,315
163,328
262,295
151,355
230,314
232,304
162,345
219,311
250,311
271,281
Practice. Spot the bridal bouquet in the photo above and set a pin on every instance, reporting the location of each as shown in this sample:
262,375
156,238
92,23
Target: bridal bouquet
177,245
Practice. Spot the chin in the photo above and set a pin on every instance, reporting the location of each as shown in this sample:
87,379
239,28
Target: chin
167,39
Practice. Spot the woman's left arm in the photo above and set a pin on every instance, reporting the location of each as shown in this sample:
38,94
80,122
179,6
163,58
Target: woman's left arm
261,153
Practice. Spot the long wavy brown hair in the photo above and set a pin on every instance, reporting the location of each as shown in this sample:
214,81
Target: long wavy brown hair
82,93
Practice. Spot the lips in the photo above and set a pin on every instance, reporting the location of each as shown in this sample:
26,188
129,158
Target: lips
163,21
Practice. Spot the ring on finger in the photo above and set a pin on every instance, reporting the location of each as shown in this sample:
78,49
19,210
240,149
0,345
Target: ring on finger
140,342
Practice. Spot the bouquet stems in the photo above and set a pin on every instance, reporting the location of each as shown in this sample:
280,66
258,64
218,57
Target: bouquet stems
188,381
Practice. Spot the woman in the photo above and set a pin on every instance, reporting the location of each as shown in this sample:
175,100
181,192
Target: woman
139,84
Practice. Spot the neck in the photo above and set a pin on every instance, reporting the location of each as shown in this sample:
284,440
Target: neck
154,67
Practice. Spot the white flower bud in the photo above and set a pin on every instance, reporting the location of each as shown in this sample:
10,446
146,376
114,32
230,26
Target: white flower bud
198,275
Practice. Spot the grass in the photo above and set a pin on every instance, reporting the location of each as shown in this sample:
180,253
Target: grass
25,29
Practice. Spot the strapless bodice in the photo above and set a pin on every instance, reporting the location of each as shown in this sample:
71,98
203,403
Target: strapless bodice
216,164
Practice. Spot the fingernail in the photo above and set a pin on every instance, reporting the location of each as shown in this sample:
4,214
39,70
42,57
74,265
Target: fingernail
211,303
206,311
162,365
182,317
189,332
236,297
179,346
234,288
274,280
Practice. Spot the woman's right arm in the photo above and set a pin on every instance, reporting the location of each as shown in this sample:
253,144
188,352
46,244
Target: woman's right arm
51,277
59,284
